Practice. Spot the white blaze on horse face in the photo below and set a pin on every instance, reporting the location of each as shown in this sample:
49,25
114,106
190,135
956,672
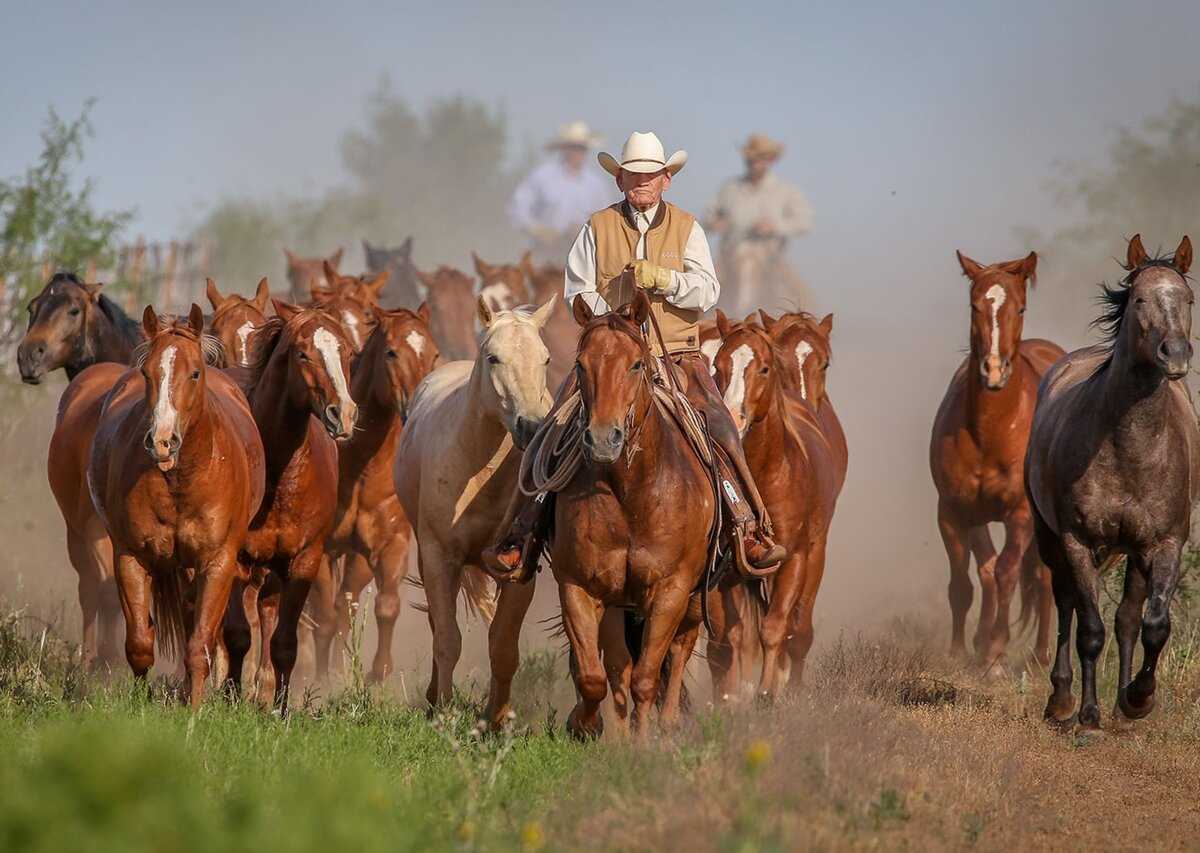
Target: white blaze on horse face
803,351
996,296
415,341
709,350
328,346
735,394
351,323
166,418
243,335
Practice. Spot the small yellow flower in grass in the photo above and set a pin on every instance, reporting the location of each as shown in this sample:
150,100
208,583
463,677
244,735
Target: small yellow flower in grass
532,837
466,832
758,755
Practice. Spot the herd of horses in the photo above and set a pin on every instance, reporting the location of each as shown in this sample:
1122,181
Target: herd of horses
222,475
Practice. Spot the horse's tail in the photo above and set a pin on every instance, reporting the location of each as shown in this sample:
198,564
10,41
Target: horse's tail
479,593
170,613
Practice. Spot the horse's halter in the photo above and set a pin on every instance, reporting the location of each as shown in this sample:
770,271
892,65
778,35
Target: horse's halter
627,328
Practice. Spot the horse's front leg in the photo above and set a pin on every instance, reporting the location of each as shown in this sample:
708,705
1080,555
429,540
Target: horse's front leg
137,597
674,698
960,592
618,664
668,605
504,637
1128,624
1018,529
581,615
1138,699
979,540
285,643
1089,636
215,577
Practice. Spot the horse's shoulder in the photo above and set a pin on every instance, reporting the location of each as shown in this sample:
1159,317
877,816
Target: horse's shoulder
1040,354
952,410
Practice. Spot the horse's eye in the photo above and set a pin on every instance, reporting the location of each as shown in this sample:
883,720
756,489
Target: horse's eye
1139,301
195,375
391,353
547,361
764,370
637,365
74,312
1022,311
303,356
493,359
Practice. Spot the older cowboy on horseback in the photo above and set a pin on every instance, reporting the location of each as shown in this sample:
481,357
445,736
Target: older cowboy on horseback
646,243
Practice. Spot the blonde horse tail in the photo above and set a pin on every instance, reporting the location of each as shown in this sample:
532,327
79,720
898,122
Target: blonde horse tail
479,593
170,613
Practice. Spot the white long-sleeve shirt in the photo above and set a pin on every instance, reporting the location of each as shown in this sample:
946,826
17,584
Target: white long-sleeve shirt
695,287
554,197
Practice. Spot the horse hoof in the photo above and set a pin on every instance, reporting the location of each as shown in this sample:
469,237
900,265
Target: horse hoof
1059,715
581,732
1131,707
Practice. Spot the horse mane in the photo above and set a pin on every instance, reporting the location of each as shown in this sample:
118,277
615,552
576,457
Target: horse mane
211,347
615,321
266,338
129,329
1114,300
777,355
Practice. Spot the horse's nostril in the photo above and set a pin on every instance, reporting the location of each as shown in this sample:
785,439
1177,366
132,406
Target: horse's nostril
588,441
333,414
618,435
148,441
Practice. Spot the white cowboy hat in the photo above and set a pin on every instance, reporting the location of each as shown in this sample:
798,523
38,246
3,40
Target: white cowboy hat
643,152
575,133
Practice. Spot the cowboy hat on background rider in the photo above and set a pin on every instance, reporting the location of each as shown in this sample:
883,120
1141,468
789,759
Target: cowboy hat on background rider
646,243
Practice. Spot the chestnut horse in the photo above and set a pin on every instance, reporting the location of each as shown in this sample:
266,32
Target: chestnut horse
502,286
799,475
235,317
299,395
352,299
403,289
370,528
306,273
560,332
632,526
1114,470
451,299
73,325
977,456
176,473
455,472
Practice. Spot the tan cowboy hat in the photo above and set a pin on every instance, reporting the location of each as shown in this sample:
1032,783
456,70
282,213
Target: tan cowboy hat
758,145
643,152
575,133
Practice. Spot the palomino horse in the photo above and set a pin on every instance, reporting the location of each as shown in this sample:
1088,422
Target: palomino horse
560,332
235,317
299,395
370,528
977,455
1114,469
502,286
305,273
176,473
73,325
403,288
451,298
455,472
632,526
353,300
799,476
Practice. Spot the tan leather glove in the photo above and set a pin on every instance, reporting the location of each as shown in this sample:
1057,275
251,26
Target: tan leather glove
650,276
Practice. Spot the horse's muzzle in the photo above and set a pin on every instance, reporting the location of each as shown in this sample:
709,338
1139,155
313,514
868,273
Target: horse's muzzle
603,445
523,431
1175,357
995,372
339,422
31,363
164,452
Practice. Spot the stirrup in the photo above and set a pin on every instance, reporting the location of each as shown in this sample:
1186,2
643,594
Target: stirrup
525,569
743,563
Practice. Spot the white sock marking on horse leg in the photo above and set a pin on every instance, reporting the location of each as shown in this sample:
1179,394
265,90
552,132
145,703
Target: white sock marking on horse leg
165,416
735,394
803,351
243,335
996,296
415,341
326,343
352,327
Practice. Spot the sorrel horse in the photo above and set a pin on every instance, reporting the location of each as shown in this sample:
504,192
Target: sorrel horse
1114,469
451,298
403,288
799,476
502,286
176,473
560,332
977,455
352,299
370,527
73,325
235,317
300,399
632,526
455,472
305,273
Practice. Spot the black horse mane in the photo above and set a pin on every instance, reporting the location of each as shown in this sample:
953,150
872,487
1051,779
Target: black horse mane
128,329
1114,299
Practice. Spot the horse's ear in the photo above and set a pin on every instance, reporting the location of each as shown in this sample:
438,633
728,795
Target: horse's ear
196,319
542,316
423,312
482,267
366,247
827,325
527,264
331,273
335,260
485,313
723,325
639,308
750,319
285,310
581,311
92,289
377,284
1183,256
1136,255
214,296
262,294
768,322
406,247
970,268
150,321
291,259
1029,268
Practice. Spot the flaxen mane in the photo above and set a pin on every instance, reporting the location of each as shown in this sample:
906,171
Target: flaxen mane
210,347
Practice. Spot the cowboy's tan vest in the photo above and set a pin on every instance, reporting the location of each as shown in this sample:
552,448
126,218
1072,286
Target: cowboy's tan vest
616,242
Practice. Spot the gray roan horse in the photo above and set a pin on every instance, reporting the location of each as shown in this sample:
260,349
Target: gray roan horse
1112,469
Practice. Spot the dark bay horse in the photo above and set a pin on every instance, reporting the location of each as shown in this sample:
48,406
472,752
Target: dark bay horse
370,528
502,286
73,325
632,526
305,273
1113,469
176,473
352,299
235,317
452,310
403,289
977,453
300,399
799,475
